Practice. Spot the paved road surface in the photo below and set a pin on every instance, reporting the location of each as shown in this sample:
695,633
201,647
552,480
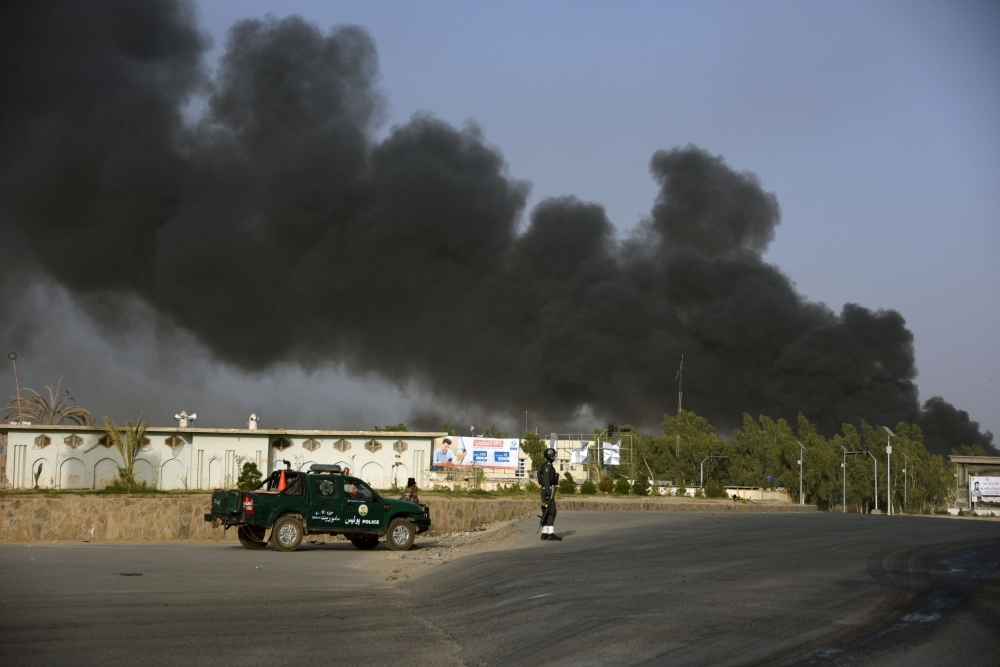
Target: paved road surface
623,588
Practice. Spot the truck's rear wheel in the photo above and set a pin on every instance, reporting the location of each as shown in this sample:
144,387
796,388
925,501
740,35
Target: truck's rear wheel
400,535
364,542
252,537
287,533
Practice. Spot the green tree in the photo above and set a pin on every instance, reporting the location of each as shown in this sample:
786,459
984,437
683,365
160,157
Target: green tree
448,428
606,484
534,447
622,487
588,488
698,439
567,485
128,440
249,476
494,432
715,489
640,487
394,428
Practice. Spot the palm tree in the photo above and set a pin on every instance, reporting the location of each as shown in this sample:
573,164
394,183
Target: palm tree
128,440
36,409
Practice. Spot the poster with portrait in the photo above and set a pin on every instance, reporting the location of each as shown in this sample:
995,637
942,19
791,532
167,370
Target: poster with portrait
457,452
984,489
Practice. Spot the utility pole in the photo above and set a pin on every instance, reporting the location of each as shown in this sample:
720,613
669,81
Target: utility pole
17,385
906,465
844,466
876,479
802,451
888,469
680,399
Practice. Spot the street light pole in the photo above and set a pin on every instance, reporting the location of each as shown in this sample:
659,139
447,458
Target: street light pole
888,454
906,467
17,385
876,479
710,456
680,396
844,466
802,452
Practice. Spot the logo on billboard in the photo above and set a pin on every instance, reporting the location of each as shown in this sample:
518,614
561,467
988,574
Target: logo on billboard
363,510
479,457
501,457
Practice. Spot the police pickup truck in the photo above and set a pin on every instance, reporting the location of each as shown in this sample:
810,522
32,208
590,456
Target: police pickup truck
293,504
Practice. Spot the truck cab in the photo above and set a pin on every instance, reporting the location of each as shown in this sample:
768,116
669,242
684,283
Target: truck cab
292,504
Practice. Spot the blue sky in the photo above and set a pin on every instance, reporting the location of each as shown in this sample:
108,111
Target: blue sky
876,124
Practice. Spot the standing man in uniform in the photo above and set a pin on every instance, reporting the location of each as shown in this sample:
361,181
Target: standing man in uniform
548,479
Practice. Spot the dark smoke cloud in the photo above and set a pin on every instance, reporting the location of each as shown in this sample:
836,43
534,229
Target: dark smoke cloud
276,229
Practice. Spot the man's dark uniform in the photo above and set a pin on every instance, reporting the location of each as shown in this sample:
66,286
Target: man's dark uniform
548,478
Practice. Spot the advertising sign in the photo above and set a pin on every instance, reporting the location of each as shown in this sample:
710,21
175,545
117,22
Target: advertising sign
984,489
457,452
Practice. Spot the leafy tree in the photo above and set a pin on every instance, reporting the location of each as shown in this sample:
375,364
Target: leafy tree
680,490
128,441
622,487
394,428
249,476
494,432
605,485
698,439
56,409
969,450
567,485
448,428
715,489
588,488
534,447
640,487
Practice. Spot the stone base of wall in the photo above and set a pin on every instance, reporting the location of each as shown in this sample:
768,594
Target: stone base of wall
127,518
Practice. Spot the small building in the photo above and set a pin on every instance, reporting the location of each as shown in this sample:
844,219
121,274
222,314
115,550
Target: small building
966,466
82,457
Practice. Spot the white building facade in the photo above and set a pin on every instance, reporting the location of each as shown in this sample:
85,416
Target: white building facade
174,458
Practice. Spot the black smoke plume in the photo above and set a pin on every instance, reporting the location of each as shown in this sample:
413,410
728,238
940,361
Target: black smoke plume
276,228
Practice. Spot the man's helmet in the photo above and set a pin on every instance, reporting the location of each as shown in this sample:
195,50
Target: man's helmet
550,454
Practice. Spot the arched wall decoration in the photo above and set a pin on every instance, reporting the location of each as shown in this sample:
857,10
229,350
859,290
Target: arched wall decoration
373,445
282,444
105,441
73,441
311,445
42,441
146,443
174,441
341,445
400,446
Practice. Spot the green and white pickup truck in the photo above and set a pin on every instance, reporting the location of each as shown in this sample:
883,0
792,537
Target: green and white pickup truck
293,504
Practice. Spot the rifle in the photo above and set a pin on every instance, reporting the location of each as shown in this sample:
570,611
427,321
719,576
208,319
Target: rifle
546,504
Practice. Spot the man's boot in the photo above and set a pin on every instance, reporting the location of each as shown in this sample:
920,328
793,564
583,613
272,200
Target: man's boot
553,536
545,536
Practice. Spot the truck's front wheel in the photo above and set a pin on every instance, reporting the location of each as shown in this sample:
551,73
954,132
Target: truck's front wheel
287,533
252,537
400,535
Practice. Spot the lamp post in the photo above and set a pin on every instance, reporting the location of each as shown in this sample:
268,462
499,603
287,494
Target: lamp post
17,385
876,478
802,452
888,454
844,466
710,456
906,466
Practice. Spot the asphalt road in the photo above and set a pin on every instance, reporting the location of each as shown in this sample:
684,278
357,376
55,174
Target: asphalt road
622,588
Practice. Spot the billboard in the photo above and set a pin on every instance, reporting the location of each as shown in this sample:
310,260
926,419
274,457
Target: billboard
984,489
458,452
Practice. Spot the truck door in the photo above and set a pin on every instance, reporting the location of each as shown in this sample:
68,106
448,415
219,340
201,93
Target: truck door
361,513
326,509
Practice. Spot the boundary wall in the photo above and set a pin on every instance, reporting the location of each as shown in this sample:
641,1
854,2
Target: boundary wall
181,517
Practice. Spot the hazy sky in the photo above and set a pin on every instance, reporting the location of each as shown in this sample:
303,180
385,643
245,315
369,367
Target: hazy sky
877,125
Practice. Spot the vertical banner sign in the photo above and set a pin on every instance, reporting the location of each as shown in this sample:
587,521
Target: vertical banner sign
457,452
